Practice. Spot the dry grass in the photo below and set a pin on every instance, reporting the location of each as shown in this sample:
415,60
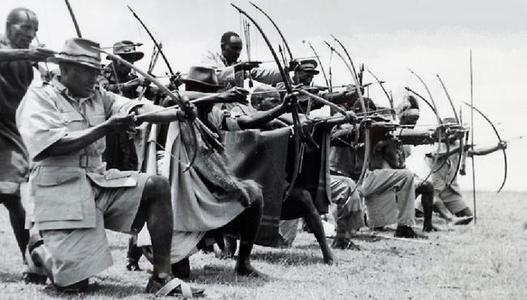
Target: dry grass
483,261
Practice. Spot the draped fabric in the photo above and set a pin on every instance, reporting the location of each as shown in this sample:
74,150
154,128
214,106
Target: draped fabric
261,156
15,78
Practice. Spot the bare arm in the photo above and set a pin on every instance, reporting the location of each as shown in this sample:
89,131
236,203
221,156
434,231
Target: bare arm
261,118
486,150
37,54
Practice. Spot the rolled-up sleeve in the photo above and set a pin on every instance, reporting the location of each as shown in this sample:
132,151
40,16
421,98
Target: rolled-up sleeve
39,122
118,105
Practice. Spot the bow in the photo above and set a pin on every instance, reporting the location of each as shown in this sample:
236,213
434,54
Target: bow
320,64
390,99
77,29
277,29
151,65
461,139
499,139
183,104
366,120
153,40
347,55
439,135
287,83
330,88
247,35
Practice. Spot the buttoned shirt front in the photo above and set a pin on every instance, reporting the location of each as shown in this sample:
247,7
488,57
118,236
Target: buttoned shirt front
61,186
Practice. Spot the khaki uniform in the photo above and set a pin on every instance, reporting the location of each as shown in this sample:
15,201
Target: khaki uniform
449,194
390,197
74,197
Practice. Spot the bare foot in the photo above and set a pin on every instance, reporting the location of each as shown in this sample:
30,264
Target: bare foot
344,244
245,269
429,228
329,260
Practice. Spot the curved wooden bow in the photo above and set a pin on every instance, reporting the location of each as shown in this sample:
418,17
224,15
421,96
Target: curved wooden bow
287,82
499,139
330,88
461,139
439,135
367,137
183,104
73,19
159,48
390,99
277,29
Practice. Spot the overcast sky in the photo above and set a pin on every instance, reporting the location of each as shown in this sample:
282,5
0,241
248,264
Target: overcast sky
431,37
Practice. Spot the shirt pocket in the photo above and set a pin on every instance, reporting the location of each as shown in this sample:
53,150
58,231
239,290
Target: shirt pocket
59,196
96,119
73,120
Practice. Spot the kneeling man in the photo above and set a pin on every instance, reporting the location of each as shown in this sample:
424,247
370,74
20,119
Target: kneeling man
63,125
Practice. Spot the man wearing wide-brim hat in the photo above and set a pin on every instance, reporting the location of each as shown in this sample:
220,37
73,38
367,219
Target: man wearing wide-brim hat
63,125
119,78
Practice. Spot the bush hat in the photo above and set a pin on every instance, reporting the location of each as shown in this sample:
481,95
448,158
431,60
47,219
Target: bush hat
79,51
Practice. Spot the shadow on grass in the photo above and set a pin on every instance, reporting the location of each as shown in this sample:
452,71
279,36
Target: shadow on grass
217,274
287,258
112,290
10,277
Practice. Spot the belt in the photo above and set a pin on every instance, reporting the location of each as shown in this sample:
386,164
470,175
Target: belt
80,161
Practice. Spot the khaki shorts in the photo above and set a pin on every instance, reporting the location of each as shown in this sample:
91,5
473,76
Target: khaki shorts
81,253
452,200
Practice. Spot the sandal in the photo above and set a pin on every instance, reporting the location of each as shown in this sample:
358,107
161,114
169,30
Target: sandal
171,287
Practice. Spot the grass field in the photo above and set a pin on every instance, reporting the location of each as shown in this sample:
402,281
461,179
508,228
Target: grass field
483,261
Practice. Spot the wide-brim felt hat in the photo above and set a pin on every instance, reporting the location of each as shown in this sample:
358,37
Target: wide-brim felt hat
127,50
202,75
79,51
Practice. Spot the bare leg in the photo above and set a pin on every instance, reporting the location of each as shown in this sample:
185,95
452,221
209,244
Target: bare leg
426,190
302,199
17,217
156,210
250,220
133,255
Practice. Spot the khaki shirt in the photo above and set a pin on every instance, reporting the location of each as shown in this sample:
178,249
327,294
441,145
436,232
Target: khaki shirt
61,186
442,177
229,78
